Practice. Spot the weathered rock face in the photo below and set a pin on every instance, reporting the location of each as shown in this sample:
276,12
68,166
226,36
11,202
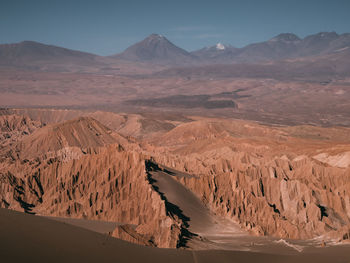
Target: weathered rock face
266,179
18,124
101,181
14,127
81,133
267,190
128,233
271,200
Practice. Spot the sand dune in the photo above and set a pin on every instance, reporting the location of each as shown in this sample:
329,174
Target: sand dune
198,215
99,226
215,232
29,238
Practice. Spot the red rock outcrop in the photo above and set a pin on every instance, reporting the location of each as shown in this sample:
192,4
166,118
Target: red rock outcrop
257,177
13,127
93,179
267,179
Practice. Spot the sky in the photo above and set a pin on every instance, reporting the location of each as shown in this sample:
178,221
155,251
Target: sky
107,27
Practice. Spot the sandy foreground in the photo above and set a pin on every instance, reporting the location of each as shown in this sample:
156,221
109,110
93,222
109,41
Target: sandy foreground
29,238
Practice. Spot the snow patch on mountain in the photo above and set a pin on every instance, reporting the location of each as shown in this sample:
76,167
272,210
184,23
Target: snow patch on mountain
220,46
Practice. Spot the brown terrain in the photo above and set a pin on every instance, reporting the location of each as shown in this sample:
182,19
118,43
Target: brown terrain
199,183
247,160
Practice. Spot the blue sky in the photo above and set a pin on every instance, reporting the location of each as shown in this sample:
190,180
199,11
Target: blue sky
108,27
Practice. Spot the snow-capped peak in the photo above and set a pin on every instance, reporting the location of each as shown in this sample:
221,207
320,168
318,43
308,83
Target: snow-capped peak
220,46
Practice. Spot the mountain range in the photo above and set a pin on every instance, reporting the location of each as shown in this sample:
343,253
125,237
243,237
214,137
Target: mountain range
158,50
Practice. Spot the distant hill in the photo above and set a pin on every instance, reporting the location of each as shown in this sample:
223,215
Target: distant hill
38,56
314,68
282,46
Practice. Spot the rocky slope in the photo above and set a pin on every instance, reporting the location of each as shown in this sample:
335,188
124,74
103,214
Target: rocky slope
262,178
80,169
14,126
287,182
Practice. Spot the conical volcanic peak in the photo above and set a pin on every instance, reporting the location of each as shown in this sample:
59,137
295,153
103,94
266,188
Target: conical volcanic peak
155,48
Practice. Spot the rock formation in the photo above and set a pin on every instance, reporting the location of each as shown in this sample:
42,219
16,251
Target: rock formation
77,169
267,179
266,184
